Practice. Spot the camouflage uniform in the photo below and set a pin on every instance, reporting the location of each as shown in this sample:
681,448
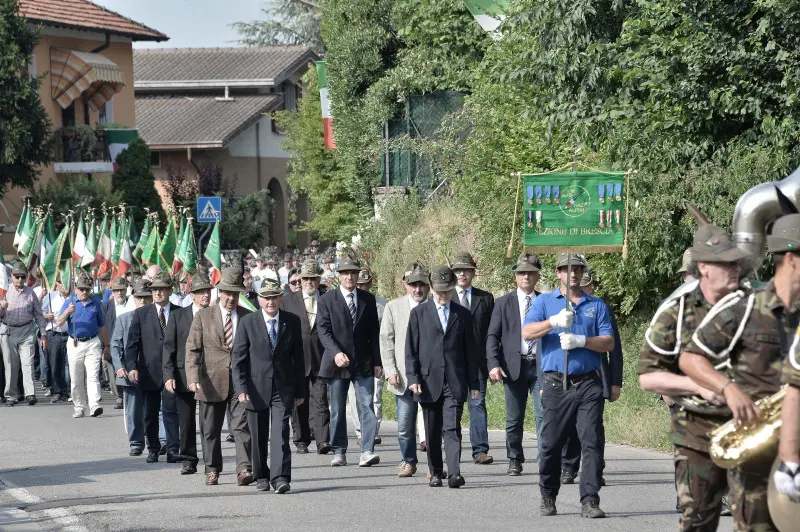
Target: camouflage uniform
756,361
700,484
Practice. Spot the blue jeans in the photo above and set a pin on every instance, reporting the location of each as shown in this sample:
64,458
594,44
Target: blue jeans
478,431
44,365
516,393
365,387
407,426
134,416
168,424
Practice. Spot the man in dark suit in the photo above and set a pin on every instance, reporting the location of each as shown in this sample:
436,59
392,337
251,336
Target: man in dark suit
143,358
174,367
314,414
512,360
270,379
441,366
347,320
480,304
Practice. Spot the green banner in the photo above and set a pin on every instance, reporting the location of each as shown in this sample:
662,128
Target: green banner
582,212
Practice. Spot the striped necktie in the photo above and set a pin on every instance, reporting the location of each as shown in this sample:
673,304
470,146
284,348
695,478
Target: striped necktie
351,306
228,330
273,336
162,320
527,308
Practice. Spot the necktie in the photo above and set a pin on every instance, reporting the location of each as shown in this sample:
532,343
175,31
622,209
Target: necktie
273,336
311,310
527,308
464,300
162,320
228,330
443,318
351,306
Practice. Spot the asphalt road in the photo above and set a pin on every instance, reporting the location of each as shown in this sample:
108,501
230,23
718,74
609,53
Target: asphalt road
57,473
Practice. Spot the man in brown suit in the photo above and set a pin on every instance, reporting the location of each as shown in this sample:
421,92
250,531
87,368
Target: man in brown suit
211,340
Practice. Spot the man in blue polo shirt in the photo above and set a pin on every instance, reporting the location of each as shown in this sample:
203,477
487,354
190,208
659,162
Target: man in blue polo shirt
585,332
84,318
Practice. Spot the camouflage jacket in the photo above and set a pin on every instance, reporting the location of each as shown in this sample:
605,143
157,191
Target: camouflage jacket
754,331
791,365
688,428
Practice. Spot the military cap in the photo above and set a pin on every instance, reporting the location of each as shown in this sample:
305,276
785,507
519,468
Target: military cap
287,257
785,234
270,288
19,269
443,278
416,272
349,264
272,259
84,281
528,262
309,269
464,261
714,244
161,280
586,280
232,280
119,283
575,259
364,274
199,282
687,261
141,287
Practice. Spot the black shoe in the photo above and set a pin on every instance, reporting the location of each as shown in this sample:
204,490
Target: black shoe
455,481
514,468
57,399
726,510
602,481
678,506
378,440
548,507
568,477
12,402
323,448
436,481
229,438
188,468
282,487
163,450
135,452
152,457
173,458
262,484
302,448
591,510
31,400
97,411
2,399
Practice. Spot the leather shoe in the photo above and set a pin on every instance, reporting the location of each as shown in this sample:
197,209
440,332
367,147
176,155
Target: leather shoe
548,507
262,484
31,400
188,469
591,510
568,477
436,481
378,440
323,448
455,481
212,478
282,487
135,452
152,457
483,459
244,477
302,448
163,450
514,468
173,458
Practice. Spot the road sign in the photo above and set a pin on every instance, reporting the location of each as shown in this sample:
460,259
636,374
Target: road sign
209,209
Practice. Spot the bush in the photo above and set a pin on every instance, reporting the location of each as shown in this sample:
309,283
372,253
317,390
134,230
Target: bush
135,181
74,192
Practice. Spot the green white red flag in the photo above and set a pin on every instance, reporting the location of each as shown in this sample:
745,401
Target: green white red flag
214,255
91,247
80,242
325,100
56,259
102,257
24,222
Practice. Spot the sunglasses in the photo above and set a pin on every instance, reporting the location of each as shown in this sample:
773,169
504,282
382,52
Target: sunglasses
295,283
20,276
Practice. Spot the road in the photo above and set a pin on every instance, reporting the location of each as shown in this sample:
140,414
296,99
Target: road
57,473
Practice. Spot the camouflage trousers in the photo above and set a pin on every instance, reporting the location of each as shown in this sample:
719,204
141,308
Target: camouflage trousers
748,495
700,485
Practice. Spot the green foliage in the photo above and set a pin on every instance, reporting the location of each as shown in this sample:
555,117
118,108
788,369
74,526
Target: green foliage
244,224
74,192
287,22
135,181
25,136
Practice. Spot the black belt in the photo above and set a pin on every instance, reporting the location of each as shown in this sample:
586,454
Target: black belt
84,338
529,358
56,333
23,325
571,379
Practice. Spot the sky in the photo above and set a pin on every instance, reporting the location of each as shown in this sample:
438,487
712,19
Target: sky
189,23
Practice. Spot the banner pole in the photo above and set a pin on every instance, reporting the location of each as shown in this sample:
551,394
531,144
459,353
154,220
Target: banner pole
510,250
567,308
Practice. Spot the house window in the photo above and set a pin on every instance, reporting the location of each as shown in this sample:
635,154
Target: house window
298,92
155,159
68,116
106,113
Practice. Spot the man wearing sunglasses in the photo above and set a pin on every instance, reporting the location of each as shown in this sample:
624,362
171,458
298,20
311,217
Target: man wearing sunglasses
295,283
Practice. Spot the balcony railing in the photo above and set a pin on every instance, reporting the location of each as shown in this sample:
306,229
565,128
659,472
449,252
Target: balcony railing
81,144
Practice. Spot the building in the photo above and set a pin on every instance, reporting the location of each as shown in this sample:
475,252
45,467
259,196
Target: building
199,106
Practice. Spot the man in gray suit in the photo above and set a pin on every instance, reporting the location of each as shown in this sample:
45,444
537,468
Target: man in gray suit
394,327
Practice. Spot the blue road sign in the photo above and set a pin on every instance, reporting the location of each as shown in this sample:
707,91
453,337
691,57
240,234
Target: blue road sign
209,209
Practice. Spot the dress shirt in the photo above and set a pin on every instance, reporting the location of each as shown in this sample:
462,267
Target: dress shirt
345,293
126,307
524,346
195,309
52,302
313,298
23,308
234,319
461,291
443,319
283,273
176,298
166,311
411,302
267,317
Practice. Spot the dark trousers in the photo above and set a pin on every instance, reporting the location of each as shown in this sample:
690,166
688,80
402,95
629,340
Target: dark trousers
152,406
516,395
314,415
277,437
212,416
57,353
581,406
443,421
187,407
478,429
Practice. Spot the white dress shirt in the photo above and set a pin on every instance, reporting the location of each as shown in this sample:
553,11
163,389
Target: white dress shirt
266,317
443,320
52,302
345,293
196,309
166,311
126,307
411,302
524,345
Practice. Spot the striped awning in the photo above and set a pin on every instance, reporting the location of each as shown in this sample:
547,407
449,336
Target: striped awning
73,73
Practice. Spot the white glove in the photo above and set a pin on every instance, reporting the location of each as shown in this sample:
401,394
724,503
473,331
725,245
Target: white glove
787,480
562,320
572,341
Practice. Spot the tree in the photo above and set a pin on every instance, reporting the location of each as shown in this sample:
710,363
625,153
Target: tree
135,181
287,22
75,192
25,131
244,222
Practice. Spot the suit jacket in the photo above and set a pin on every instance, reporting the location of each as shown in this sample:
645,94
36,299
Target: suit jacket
173,356
208,359
481,306
145,344
118,339
312,347
433,356
337,334
504,338
611,363
394,327
256,366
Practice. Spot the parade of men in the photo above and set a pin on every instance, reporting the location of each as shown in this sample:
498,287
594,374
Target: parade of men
57,343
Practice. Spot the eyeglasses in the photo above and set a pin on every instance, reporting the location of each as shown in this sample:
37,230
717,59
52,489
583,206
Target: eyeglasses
20,276
296,283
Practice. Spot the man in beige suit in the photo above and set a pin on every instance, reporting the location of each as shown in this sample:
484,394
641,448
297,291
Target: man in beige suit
211,340
393,356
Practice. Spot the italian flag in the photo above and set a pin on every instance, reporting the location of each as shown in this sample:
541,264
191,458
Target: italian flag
488,13
327,119
91,247
79,248
214,255
102,257
118,140
56,259
245,303
24,220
